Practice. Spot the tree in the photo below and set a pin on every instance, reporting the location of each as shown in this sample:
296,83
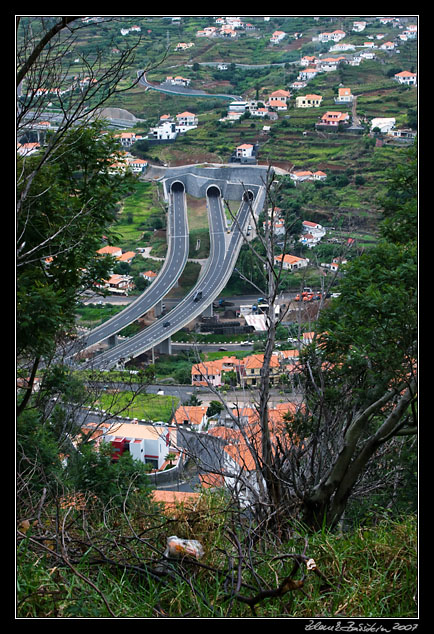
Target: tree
358,380
360,375
67,197
67,191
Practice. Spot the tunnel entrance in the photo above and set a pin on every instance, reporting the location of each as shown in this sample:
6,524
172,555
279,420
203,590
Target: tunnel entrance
213,190
177,186
248,196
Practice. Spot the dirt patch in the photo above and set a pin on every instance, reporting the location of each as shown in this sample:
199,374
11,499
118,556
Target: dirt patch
332,167
177,157
284,165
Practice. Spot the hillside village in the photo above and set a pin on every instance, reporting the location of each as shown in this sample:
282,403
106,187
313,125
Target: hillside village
244,387
344,48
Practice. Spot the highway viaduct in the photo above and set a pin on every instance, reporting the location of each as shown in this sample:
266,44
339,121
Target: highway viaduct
246,184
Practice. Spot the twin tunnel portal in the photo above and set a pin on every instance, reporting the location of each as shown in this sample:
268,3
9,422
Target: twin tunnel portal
244,184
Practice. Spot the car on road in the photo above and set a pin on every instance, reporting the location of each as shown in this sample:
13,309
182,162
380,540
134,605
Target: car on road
166,323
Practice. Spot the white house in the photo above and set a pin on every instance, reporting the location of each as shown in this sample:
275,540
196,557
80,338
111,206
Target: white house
334,36
314,232
137,165
384,124
334,265
341,48
358,26
149,276
186,121
309,240
238,106
307,74
301,175
278,99
308,60
406,77
146,443
119,284
319,176
245,150
297,85
165,131
178,81
127,139
314,228
290,262
205,374
192,416
387,46
344,96
277,37
328,64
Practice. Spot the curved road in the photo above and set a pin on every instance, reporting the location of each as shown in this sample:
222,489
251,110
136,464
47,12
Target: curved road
170,89
173,267
223,255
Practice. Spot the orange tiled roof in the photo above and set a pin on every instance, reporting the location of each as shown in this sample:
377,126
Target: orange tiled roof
193,413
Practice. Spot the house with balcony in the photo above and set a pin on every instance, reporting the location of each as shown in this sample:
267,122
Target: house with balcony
119,284
333,120
406,78
314,227
244,153
251,370
165,131
137,165
186,121
127,139
279,97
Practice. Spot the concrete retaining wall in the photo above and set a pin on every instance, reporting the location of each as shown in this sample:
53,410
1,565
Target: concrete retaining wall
232,181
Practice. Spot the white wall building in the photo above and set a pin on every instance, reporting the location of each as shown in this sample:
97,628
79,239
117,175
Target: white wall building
147,443
165,131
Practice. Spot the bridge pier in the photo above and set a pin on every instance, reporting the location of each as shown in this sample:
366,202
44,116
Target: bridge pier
112,341
209,311
165,347
158,308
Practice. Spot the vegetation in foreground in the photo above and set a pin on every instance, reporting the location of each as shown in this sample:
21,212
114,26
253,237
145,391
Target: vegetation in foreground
91,539
109,562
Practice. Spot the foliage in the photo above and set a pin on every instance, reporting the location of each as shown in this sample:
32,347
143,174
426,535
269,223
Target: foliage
112,564
95,473
69,205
